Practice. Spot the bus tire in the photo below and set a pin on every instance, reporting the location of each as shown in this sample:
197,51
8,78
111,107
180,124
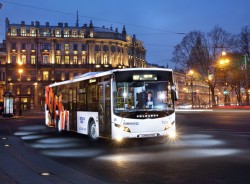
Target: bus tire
92,131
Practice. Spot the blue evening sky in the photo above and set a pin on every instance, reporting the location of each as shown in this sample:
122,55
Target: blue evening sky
156,22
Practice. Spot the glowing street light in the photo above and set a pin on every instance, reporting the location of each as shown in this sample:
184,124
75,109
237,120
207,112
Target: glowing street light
223,64
20,71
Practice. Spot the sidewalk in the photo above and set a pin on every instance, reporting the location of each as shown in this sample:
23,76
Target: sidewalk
20,164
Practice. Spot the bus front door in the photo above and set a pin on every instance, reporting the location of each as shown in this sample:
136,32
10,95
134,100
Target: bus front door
104,109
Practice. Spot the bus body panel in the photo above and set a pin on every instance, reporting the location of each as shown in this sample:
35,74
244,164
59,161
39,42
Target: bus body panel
83,119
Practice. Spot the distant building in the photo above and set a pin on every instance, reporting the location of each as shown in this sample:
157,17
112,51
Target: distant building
49,54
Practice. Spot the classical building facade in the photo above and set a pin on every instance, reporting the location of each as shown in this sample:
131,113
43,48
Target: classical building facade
47,54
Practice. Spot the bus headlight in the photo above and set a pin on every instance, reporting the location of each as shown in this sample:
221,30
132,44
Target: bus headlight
123,128
172,135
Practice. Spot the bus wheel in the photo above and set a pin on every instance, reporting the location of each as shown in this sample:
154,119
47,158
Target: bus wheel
92,131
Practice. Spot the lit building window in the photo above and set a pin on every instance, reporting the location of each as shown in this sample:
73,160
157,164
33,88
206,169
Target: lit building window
45,59
66,33
45,75
71,76
105,59
62,76
66,60
75,58
82,34
66,47
84,59
28,91
13,32
33,32
74,33
23,31
33,59
58,33
23,59
97,58
58,59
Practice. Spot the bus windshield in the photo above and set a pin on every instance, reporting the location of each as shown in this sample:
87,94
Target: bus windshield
142,96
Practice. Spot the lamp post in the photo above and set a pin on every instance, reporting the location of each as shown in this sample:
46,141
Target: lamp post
223,63
20,89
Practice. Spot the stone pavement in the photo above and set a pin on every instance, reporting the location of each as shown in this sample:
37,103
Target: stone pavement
20,164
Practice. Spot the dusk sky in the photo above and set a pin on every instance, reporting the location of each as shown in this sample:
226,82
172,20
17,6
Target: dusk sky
158,23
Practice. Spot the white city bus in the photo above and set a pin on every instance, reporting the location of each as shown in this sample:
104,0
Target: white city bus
117,104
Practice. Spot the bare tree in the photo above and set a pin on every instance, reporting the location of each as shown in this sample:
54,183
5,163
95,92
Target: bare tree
201,51
244,47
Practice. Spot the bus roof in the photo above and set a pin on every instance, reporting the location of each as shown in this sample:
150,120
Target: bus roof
90,75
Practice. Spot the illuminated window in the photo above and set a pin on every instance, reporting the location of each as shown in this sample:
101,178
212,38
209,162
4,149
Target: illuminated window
25,100
84,59
58,33
105,59
62,76
45,59
74,33
97,58
28,91
82,34
75,58
66,47
71,76
66,59
23,59
45,75
13,32
33,32
33,59
23,31
58,59
66,33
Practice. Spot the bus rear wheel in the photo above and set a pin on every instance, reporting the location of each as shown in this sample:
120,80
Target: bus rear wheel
93,131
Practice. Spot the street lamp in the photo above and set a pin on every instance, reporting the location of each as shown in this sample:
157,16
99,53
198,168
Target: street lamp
20,89
223,64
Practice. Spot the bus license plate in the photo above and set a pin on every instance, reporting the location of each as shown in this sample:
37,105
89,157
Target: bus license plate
147,135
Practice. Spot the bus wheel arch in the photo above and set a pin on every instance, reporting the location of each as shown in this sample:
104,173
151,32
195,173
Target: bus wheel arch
92,130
